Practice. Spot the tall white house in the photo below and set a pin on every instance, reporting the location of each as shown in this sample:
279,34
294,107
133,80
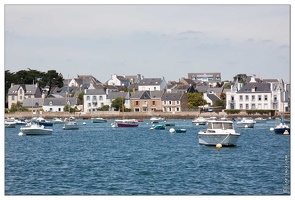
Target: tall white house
257,95
152,84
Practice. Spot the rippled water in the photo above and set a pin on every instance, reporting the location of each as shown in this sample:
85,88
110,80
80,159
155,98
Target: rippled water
100,160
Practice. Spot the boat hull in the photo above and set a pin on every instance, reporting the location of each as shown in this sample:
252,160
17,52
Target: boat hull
180,130
46,123
281,130
222,138
37,131
126,125
245,125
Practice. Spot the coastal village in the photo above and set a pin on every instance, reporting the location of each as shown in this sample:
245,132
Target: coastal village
152,96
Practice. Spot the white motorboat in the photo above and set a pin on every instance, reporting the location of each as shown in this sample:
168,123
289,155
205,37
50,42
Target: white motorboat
57,120
42,121
219,132
260,119
246,122
70,125
35,129
98,120
199,121
156,119
10,123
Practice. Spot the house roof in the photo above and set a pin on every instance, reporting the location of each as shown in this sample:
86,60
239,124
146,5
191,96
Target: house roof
146,95
28,89
175,96
150,81
95,92
114,95
60,101
259,88
202,88
32,102
212,97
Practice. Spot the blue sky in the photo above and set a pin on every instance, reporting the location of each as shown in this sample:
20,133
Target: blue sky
153,40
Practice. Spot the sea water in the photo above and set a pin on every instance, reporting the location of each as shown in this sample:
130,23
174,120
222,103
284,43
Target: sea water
100,160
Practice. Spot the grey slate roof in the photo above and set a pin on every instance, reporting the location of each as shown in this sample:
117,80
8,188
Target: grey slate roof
202,88
28,89
259,87
175,96
146,95
114,95
150,81
213,97
33,102
95,92
60,101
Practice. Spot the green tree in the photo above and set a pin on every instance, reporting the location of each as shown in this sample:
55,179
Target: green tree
51,79
80,98
223,96
241,78
219,102
117,103
195,100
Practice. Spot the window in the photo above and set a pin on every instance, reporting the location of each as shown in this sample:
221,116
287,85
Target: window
136,110
253,97
29,96
247,106
50,103
21,91
101,104
100,98
241,97
50,109
247,98
275,97
59,109
252,106
259,97
170,102
155,88
136,103
89,105
87,98
12,98
241,106
154,103
21,97
177,102
93,98
232,98
177,109
265,97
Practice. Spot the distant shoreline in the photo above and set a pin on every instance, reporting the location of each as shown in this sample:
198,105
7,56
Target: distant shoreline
135,115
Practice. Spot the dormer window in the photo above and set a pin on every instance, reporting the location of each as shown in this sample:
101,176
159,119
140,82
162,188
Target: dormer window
50,103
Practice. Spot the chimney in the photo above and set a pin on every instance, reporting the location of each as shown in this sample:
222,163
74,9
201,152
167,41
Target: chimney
12,84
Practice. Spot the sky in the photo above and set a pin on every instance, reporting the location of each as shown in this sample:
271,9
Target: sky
152,40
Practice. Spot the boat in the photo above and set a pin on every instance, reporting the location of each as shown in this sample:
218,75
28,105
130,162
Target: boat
35,129
170,124
126,123
177,130
260,119
282,128
199,121
140,120
246,122
98,120
70,125
42,121
155,120
57,120
219,133
20,121
158,127
10,123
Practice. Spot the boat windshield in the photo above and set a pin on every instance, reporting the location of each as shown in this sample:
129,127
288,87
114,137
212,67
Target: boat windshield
220,125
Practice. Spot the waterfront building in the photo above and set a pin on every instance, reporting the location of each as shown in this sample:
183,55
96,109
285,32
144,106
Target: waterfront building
20,92
53,104
152,84
113,95
258,95
94,99
144,101
212,78
174,102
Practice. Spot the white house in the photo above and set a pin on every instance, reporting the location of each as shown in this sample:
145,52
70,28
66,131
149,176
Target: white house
152,84
118,80
256,95
57,104
94,99
113,95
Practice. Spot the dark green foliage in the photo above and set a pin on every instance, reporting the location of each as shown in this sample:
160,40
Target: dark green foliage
232,111
195,100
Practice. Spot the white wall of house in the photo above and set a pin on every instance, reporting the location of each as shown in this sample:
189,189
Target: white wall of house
53,108
92,102
114,80
159,87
